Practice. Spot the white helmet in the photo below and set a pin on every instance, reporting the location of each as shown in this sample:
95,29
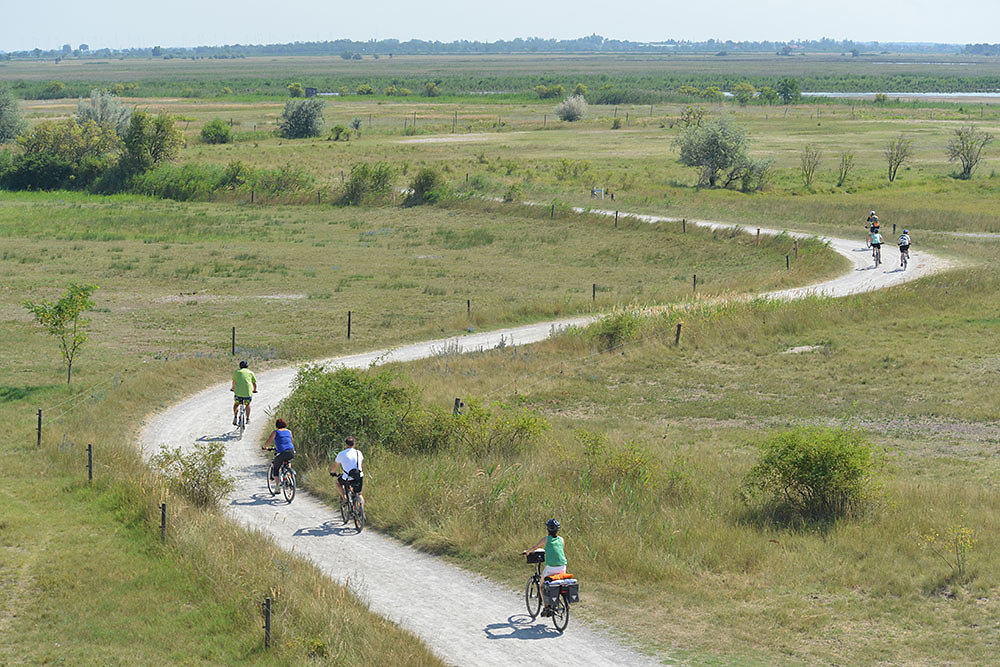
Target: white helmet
873,213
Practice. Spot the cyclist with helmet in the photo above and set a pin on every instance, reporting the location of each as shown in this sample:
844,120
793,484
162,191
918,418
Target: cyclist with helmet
872,225
876,243
284,449
555,554
243,386
904,246
350,460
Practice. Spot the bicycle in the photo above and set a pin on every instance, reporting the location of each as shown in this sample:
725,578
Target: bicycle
285,480
354,508
877,255
241,418
558,600
905,257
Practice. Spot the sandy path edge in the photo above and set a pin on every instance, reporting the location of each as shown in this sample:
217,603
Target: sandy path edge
460,615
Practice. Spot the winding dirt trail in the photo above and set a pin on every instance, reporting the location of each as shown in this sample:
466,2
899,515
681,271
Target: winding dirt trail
465,619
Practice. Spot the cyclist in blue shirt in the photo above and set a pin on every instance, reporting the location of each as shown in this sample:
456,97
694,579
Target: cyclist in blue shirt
284,450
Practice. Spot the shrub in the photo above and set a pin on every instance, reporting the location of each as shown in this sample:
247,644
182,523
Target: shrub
498,432
607,465
301,118
54,89
37,171
104,109
716,146
296,90
616,123
432,89
197,475
11,121
217,132
148,142
366,180
546,92
613,330
337,131
62,154
580,90
427,186
814,472
364,89
571,109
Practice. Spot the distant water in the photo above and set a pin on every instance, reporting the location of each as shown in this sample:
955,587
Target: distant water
868,96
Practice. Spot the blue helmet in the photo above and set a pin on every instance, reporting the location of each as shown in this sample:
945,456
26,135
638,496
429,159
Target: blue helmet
906,231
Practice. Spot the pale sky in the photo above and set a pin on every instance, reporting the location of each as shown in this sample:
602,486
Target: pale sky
119,23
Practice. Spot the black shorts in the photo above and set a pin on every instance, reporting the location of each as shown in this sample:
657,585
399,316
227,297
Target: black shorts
876,245
356,484
904,248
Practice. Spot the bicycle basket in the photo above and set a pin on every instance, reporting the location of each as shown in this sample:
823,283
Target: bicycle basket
536,557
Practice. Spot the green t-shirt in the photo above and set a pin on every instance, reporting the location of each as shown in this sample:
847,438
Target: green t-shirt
554,555
243,381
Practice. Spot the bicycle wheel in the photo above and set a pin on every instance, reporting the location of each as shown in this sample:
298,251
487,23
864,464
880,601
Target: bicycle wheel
272,484
241,423
359,513
343,511
288,484
560,613
533,597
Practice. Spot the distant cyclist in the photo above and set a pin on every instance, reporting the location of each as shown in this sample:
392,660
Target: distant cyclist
872,225
904,246
243,387
555,554
350,461
284,449
876,241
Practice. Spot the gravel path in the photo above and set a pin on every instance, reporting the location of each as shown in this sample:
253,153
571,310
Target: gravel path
465,619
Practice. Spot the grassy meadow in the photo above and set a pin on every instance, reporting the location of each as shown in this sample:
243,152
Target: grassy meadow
913,366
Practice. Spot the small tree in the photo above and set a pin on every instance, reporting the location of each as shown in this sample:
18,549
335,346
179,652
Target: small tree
788,90
356,124
967,146
718,145
896,152
432,89
744,92
63,319
301,118
104,109
54,89
580,90
809,161
149,141
11,121
364,89
768,95
571,109
846,165
713,94
692,115
217,132
426,187
296,90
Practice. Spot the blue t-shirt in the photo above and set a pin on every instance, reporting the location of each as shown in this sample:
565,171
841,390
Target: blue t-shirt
283,441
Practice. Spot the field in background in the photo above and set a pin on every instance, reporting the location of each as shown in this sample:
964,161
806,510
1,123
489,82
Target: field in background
175,276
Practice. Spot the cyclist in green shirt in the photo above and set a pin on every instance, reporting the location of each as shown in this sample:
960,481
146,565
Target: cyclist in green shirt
555,554
243,387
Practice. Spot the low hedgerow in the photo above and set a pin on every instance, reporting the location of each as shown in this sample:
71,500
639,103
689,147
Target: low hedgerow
382,408
813,473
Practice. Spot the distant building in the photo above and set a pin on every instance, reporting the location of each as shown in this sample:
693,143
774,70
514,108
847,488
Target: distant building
311,92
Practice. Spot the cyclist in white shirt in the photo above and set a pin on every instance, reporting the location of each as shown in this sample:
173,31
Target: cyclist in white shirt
351,463
904,246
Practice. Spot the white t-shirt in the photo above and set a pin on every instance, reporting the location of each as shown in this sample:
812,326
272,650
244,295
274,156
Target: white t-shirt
349,459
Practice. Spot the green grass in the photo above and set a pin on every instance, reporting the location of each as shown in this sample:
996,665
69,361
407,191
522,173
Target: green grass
716,586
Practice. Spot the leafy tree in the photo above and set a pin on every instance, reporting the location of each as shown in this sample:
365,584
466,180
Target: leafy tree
11,121
967,146
580,90
744,92
768,95
149,141
572,108
63,319
716,146
104,109
713,94
896,152
692,115
788,90
391,91
432,89
157,52
58,154
296,90
364,89
217,132
54,89
302,118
